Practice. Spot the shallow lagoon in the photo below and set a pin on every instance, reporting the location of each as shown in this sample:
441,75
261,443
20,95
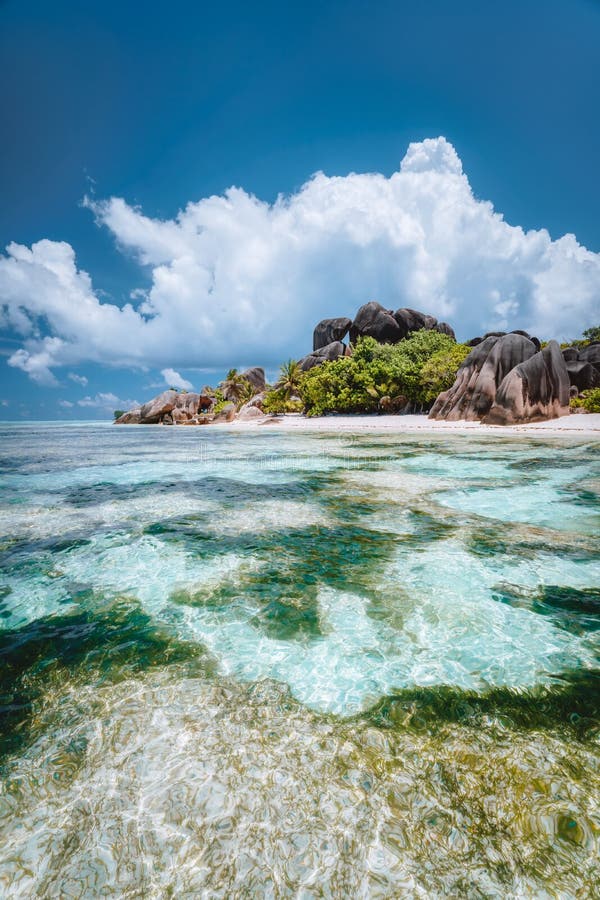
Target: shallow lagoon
257,663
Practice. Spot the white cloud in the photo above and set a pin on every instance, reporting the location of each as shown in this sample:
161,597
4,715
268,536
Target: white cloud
236,281
78,379
174,379
107,401
66,404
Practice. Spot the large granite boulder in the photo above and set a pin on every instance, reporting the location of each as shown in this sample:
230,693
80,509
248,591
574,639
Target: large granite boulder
324,354
591,354
328,331
570,354
478,378
256,377
187,404
248,413
444,328
133,417
180,416
389,327
227,414
254,402
583,366
534,390
412,320
582,375
168,408
156,409
373,320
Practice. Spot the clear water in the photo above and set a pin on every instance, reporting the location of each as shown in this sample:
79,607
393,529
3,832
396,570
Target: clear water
261,664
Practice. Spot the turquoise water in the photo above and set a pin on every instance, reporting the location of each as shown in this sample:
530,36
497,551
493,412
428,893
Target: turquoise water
250,663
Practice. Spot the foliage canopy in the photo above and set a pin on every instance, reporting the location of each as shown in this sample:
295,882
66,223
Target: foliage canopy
407,375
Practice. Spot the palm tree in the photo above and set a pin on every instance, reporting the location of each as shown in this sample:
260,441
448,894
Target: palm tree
234,387
289,378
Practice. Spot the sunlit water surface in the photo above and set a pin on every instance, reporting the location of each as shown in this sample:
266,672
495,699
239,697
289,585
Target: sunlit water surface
261,664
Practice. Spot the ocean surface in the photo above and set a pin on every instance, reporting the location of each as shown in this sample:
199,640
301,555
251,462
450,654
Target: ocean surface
261,664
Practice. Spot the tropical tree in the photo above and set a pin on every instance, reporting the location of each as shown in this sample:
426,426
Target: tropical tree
234,387
592,334
290,376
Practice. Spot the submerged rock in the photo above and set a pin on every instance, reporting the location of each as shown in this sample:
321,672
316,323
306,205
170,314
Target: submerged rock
328,331
534,390
478,378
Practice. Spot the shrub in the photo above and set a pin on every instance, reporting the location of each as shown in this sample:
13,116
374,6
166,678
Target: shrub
588,400
220,401
440,370
118,413
395,372
276,402
592,334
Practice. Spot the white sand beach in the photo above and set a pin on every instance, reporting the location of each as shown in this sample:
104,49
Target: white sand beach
581,424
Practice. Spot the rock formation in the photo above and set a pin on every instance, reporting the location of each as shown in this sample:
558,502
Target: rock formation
226,414
583,366
473,342
156,409
168,408
247,413
389,327
328,331
474,391
256,377
374,321
533,390
133,417
325,354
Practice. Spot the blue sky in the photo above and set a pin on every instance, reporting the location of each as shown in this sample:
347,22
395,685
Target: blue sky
165,106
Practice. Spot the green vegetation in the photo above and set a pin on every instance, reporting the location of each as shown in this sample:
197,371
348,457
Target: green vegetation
235,387
588,400
290,379
284,397
118,413
592,334
220,401
387,377
440,370
275,403
589,335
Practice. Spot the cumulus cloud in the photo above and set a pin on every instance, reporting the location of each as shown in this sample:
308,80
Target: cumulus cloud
66,404
237,281
78,379
106,401
174,379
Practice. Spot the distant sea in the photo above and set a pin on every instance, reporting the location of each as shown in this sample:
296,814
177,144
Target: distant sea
273,664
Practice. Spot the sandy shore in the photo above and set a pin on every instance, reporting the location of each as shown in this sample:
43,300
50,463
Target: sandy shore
578,424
